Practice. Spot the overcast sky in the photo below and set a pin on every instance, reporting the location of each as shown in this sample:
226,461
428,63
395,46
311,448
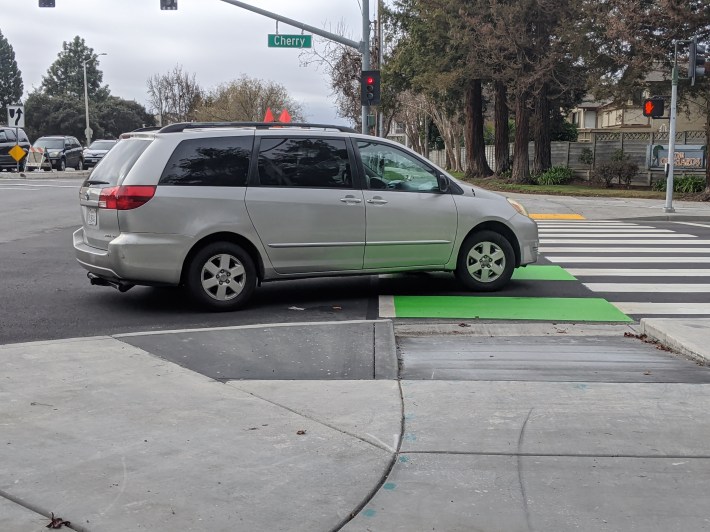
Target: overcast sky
216,41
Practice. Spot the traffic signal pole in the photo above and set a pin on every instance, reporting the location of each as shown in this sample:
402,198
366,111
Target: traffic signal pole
671,134
363,46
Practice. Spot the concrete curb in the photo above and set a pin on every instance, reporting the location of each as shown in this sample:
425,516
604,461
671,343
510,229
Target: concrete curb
689,338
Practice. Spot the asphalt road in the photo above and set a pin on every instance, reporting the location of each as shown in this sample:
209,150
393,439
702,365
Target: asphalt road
46,294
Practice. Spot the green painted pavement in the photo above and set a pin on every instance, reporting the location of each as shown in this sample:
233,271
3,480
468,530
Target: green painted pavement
509,308
543,273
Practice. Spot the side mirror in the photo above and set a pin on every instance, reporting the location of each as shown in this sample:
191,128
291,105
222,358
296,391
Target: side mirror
443,183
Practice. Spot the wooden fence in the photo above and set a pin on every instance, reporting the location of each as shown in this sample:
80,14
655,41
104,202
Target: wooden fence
603,145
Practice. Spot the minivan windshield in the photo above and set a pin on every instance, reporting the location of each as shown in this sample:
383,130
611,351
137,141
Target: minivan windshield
116,164
102,145
50,144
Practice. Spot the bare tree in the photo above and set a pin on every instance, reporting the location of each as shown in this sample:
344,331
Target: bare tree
247,99
174,95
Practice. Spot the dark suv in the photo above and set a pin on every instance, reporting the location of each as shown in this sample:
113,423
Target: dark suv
61,152
7,141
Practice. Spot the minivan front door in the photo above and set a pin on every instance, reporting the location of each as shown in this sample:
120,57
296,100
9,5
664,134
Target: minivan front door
410,222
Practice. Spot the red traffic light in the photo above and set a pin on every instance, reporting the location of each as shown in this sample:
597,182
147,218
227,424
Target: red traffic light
370,80
653,107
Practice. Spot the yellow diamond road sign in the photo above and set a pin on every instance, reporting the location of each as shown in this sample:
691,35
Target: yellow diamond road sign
17,153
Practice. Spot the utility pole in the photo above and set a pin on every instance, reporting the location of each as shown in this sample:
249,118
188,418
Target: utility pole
671,134
363,46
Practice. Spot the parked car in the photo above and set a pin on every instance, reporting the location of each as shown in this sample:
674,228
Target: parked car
219,208
61,152
94,153
9,140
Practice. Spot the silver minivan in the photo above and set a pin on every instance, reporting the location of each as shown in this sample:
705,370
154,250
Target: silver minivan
219,208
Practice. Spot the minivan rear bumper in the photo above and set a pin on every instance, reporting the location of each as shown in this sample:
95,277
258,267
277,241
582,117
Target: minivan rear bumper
139,258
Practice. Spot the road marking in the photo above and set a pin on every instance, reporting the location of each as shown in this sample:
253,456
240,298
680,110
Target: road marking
625,249
630,260
557,217
15,188
632,307
508,308
387,307
602,231
693,224
626,241
637,272
669,288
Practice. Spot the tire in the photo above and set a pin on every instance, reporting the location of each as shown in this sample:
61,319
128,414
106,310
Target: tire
486,261
80,165
62,165
221,277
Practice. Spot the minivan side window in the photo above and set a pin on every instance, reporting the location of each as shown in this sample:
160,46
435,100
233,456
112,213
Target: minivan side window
3,136
304,162
9,135
23,136
209,162
389,168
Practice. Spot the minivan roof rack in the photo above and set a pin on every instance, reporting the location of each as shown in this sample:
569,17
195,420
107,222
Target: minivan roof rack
182,126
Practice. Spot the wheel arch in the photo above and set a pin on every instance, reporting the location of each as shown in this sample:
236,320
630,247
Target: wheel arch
225,236
501,228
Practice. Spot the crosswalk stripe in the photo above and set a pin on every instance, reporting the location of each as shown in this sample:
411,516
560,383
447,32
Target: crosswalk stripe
637,272
680,309
602,231
664,240
625,249
648,287
693,224
629,260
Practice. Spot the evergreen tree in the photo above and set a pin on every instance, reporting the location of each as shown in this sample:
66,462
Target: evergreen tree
66,75
11,87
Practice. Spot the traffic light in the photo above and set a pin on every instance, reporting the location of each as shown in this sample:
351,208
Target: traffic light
653,107
168,4
696,61
46,3
370,87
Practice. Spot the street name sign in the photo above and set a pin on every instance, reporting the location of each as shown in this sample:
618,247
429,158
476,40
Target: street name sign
289,41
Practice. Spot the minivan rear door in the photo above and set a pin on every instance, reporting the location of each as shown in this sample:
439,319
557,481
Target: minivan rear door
101,223
307,211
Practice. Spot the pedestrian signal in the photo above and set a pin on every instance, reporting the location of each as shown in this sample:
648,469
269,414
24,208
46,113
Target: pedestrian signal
653,107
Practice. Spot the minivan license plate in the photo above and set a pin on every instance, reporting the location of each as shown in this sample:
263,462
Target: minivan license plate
90,216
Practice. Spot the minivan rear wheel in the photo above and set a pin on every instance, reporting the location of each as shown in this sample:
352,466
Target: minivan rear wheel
221,276
486,261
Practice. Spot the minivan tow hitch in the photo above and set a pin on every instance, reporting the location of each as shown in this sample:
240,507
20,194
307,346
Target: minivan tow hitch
121,286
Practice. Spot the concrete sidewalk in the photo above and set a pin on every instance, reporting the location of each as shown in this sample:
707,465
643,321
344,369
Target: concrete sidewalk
110,437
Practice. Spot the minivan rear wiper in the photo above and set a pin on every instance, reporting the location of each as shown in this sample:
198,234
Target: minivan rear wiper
96,182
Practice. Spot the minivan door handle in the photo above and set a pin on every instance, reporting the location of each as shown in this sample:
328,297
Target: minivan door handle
377,200
350,199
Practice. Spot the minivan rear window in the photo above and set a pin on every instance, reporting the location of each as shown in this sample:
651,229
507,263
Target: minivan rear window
116,164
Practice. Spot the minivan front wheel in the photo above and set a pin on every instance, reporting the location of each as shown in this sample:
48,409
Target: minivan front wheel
486,261
221,276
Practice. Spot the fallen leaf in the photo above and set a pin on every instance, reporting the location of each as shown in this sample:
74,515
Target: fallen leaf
300,432
646,372
57,522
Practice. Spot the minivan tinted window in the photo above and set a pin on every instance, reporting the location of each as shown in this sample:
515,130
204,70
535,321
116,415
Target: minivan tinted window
50,144
209,162
304,162
118,162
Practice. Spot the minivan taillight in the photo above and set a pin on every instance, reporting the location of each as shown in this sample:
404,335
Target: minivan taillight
126,197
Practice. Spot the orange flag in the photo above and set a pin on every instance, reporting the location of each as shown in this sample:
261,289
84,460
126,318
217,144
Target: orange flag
284,117
269,116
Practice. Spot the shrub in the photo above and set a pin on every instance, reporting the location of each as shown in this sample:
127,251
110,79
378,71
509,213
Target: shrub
620,168
586,157
685,184
557,175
